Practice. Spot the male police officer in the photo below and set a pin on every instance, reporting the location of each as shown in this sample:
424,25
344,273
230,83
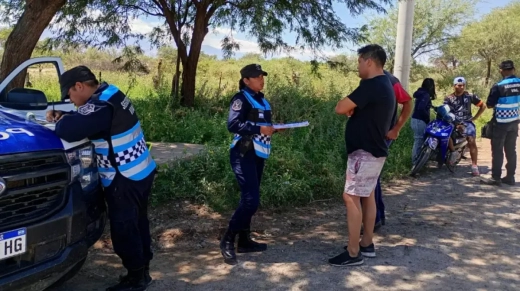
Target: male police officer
504,97
107,117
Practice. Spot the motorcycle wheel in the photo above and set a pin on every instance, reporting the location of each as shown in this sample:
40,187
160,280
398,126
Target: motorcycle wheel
452,167
423,158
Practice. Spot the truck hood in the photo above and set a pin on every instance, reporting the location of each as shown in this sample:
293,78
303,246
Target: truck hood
18,135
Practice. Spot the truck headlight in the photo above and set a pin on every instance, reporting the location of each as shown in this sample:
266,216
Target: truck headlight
82,161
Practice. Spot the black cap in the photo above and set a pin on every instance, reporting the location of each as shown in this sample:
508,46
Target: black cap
70,77
507,65
252,71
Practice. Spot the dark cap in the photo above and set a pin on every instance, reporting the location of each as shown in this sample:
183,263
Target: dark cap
252,71
507,65
70,77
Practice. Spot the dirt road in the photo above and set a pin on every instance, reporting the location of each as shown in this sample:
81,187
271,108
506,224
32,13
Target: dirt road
444,232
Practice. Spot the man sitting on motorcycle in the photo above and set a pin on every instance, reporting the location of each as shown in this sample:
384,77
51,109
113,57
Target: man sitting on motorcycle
460,105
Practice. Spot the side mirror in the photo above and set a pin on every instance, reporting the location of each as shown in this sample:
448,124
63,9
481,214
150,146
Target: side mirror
25,99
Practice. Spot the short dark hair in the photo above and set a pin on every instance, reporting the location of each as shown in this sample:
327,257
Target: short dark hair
91,83
374,52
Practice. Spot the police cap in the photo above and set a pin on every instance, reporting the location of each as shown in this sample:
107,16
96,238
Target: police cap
252,71
507,65
70,77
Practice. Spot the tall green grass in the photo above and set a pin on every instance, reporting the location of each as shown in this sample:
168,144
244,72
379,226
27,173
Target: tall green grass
306,163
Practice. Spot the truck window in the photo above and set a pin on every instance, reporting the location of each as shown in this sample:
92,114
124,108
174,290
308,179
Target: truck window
43,77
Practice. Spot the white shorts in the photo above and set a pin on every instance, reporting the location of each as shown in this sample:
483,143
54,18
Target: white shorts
363,170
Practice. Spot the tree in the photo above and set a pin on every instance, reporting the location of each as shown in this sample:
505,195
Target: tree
35,17
436,22
494,38
188,22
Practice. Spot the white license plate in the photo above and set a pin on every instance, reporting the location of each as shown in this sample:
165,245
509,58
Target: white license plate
12,243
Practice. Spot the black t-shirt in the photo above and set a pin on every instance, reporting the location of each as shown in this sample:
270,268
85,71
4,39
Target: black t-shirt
372,118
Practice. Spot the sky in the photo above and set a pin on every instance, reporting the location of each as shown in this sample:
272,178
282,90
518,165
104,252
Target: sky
211,44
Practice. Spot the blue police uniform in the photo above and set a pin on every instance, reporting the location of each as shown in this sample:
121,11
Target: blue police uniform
248,151
248,112
504,97
126,169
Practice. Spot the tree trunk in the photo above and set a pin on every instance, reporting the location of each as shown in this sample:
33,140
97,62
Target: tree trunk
23,39
488,73
189,72
174,94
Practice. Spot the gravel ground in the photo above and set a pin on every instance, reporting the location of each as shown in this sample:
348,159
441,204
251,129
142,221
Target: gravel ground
444,231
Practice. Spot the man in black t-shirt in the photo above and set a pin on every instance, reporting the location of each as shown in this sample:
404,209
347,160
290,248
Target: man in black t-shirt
371,109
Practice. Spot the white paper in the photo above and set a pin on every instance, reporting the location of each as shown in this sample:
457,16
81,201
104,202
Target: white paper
291,125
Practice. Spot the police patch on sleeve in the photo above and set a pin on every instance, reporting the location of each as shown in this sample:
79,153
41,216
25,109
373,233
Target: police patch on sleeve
237,105
86,109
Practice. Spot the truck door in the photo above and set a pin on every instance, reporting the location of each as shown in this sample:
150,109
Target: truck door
43,75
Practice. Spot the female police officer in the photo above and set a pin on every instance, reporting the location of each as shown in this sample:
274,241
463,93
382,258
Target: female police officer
250,121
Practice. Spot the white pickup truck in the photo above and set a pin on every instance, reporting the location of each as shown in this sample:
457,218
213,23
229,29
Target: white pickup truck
51,205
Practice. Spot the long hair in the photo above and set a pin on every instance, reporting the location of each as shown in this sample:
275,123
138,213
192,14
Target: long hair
429,85
241,84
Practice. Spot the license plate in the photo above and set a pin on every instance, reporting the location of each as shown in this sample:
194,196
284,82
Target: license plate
12,243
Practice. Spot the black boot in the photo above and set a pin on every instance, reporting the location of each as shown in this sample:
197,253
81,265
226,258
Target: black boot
247,245
227,247
147,277
509,180
134,281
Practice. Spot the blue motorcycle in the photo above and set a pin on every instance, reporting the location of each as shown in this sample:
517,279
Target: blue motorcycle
436,141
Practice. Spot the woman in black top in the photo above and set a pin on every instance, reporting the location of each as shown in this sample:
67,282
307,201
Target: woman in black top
421,113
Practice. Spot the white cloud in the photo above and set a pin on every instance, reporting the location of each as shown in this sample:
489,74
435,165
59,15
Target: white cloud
138,25
215,36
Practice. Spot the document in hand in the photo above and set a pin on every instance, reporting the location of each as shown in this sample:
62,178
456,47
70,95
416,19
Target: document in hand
291,125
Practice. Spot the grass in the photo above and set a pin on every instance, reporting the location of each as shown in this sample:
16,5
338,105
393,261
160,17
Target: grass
306,163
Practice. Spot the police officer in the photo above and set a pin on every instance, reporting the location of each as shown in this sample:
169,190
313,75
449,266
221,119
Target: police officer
107,117
250,121
504,97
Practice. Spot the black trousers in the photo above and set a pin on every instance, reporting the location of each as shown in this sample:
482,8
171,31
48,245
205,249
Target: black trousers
248,171
127,203
503,140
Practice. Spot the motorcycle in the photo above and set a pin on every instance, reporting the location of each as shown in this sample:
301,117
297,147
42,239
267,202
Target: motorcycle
436,141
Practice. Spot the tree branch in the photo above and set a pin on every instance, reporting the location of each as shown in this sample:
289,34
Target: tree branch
176,33
143,10
210,13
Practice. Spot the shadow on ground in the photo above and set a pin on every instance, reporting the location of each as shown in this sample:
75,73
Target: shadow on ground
444,231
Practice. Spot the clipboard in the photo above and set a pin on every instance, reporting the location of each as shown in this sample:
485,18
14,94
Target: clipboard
291,125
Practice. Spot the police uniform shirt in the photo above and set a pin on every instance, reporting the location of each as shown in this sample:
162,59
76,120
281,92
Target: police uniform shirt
494,96
91,120
238,113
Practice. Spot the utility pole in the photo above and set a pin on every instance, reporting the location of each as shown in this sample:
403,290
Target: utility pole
403,44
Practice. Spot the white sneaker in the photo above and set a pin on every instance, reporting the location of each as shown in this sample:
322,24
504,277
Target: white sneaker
474,171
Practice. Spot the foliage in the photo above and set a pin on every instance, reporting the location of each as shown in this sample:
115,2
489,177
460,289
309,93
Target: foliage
306,164
435,23
488,42
4,34
187,22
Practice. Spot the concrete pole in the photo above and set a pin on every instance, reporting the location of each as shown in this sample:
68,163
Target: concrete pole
403,45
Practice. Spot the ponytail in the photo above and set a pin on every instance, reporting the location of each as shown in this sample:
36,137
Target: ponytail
241,84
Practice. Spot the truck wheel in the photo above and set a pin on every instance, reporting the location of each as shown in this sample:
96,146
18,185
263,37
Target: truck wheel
69,275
